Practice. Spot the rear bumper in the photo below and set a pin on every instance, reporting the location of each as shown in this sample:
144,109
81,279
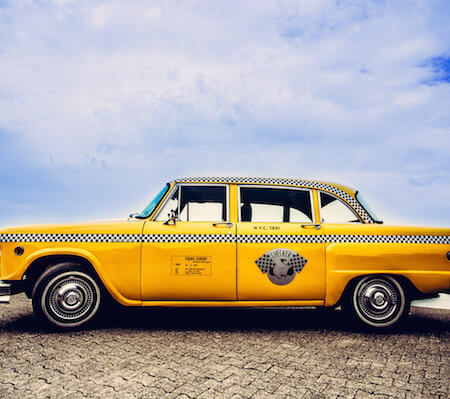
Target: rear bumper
5,291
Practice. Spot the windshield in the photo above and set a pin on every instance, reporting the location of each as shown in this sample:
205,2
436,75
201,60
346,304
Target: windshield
367,208
151,207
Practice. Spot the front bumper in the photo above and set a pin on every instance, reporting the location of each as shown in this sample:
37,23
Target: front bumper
5,291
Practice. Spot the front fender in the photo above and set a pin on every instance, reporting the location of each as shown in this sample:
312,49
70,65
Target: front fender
17,273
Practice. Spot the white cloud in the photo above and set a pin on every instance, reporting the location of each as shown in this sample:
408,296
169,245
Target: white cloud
296,88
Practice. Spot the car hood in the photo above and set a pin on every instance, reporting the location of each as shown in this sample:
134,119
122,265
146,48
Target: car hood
93,227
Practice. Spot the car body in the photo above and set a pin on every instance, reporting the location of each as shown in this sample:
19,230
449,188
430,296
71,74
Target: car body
224,241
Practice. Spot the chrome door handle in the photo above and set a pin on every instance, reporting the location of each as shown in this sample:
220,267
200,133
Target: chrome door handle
223,224
311,226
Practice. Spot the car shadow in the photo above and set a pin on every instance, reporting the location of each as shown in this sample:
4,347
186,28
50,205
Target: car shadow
420,321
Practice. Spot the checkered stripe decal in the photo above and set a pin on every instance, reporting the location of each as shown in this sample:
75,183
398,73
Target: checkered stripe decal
240,238
37,237
279,238
189,238
346,238
278,181
395,239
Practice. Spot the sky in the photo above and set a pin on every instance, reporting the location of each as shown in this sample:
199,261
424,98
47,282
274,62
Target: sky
102,102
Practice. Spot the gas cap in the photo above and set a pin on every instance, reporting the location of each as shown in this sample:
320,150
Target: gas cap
19,251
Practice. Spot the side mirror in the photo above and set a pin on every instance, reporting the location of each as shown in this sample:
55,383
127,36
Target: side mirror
133,215
172,218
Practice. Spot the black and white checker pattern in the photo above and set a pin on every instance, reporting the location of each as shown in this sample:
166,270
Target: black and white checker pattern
342,238
220,238
385,238
265,262
67,237
189,238
297,262
116,238
279,181
279,238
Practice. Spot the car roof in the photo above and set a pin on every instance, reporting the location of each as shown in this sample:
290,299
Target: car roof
346,193
269,181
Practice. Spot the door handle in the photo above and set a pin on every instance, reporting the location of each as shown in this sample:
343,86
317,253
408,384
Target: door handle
223,224
311,226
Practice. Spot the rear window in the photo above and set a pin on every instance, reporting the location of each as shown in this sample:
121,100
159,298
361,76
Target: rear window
334,210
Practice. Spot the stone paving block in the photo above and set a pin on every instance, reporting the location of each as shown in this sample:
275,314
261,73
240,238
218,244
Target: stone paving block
228,354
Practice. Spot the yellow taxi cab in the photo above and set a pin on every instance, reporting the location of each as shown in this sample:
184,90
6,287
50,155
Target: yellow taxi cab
227,241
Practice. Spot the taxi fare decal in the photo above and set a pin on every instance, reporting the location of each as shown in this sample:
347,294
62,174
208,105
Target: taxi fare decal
281,265
191,266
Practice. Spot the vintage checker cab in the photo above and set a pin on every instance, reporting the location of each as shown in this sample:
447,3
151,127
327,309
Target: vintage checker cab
230,242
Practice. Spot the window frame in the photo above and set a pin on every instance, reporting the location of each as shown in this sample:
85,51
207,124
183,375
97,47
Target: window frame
319,203
311,197
163,204
180,185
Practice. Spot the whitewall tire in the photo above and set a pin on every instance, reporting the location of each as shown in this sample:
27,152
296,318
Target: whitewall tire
66,296
379,301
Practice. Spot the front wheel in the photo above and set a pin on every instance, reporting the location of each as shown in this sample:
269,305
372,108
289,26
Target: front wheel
66,296
379,301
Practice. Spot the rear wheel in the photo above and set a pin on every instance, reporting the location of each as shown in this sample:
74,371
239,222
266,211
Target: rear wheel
66,295
379,301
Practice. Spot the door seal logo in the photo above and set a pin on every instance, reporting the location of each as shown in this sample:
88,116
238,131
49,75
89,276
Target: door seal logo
281,265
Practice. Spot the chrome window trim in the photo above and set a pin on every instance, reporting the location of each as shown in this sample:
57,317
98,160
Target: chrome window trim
311,198
180,185
339,199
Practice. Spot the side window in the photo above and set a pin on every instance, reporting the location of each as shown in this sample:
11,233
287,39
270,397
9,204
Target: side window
275,205
334,210
203,204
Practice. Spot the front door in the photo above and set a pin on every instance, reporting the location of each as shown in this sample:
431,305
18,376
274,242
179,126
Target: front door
280,254
193,257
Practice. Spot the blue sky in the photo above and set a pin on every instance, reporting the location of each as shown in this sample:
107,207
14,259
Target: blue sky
101,102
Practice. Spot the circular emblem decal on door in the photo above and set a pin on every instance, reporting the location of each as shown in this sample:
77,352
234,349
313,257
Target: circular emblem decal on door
281,265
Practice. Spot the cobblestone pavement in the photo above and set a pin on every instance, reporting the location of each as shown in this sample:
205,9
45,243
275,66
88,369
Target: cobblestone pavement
216,353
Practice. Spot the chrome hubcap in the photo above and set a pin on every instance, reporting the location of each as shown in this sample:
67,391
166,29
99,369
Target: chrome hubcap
377,300
71,298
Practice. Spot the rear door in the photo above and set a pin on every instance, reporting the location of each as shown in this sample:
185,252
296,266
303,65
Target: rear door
280,253
193,258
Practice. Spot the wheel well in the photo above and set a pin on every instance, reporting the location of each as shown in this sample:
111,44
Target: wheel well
38,266
410,290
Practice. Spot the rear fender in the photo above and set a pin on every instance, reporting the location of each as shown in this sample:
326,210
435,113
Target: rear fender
425,266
